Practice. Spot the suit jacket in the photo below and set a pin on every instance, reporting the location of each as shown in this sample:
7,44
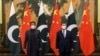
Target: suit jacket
32,40
64,43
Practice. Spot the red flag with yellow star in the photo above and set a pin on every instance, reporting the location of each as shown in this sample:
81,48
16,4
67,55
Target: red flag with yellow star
25,25
55,27
86,33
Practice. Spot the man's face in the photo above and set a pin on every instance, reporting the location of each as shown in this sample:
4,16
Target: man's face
63,26
33,26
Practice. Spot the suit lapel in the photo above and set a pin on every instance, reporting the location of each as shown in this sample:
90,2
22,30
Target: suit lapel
67,33
61,33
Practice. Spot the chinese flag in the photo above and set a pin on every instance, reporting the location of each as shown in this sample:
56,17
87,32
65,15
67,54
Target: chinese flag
86,33
25,25
55,27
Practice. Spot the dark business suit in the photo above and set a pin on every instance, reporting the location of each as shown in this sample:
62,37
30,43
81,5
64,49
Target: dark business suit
33,42
64,44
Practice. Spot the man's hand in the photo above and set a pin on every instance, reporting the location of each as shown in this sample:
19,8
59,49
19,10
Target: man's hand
58,50
24,49
40,49
72,49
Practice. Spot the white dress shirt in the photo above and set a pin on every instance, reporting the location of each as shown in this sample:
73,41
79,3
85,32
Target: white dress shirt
64,33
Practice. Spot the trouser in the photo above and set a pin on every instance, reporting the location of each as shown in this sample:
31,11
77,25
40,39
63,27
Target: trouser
33,53
65,53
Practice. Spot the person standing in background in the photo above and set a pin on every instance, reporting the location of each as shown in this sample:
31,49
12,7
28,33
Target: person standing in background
32,40
64,42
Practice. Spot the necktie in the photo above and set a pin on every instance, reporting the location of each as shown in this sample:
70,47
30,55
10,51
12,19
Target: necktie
64,33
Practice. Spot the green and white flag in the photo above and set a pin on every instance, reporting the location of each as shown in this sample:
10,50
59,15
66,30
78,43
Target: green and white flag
13,40
42,26
72,26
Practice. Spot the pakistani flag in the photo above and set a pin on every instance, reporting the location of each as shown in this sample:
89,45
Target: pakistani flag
13,33
42,26
72,26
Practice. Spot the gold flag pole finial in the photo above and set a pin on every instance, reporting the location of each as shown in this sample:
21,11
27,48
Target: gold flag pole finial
86,1
26,1
57,1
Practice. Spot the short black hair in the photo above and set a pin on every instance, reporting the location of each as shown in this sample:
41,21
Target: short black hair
63,23
33,22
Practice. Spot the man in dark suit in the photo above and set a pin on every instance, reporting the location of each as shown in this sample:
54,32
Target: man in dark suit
64,42
32,40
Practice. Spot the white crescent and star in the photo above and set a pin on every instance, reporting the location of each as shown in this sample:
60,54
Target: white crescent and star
10,31
40,28
71,27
